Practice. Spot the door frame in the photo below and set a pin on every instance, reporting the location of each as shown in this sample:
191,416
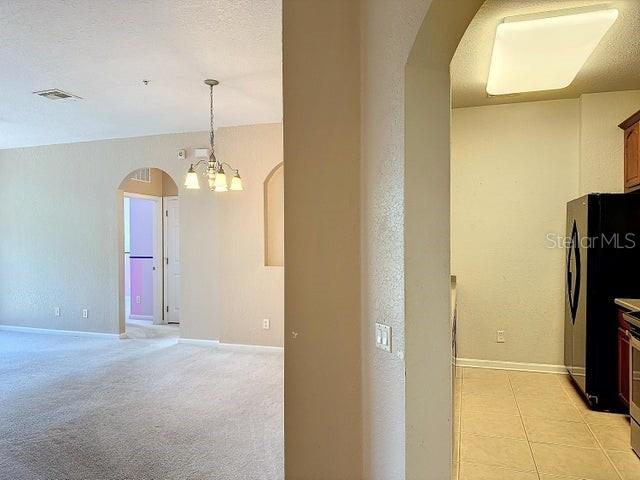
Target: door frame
158,254
165,253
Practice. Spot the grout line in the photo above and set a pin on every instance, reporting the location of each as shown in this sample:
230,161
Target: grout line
573,402
535,464
584,420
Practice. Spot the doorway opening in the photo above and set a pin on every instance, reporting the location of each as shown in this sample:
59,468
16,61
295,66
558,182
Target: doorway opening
149,257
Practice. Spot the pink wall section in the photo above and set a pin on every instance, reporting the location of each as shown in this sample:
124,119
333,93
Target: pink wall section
141,244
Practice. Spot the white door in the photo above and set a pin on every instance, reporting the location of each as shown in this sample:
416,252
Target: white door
171,260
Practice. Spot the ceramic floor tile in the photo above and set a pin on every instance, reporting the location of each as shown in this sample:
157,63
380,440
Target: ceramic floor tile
627,463
613,437
501,404
486,387
473,471
576,398
561,477
492,424
543,430
540,390
497,452
548,378
552,408
483,373
604,418
588,463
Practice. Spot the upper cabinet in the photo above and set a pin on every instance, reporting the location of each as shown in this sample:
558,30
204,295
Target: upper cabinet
631,127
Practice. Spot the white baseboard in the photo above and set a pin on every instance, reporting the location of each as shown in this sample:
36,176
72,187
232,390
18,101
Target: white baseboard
500,365
53,331
141,317
230,346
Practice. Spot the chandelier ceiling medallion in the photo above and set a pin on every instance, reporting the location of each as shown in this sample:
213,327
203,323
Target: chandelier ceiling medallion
214,171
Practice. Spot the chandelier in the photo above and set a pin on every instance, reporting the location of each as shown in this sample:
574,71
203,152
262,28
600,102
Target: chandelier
214,171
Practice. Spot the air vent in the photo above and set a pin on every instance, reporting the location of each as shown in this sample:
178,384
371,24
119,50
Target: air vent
55,94
142,175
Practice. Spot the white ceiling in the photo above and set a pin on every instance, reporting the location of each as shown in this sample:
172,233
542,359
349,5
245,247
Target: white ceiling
101,50
614,65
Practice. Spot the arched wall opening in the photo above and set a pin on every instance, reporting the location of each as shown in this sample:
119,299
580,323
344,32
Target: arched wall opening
428,384
274,217
148,253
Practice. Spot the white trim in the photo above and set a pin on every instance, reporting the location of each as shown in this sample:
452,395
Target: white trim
141,317
53,331
139,195
500,365
158,257
230,346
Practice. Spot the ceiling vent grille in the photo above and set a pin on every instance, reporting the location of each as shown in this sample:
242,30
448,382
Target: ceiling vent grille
142,175
55,94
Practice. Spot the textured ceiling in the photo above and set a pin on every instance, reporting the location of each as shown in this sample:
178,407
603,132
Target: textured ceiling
614,65
101,50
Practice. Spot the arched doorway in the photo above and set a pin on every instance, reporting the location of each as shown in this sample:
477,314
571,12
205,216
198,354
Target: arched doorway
148,253
427,255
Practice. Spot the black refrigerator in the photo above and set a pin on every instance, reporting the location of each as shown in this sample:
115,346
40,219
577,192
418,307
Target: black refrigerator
603,263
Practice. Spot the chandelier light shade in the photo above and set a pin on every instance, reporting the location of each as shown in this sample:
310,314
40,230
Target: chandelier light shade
236,183
214,171
220,182
191,180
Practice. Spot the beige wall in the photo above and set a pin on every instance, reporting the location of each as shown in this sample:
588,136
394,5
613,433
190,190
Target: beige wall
389,29
321,80
161,185
60,239
513,169
601,141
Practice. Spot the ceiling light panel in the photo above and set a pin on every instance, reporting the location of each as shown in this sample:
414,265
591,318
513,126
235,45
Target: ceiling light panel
544,53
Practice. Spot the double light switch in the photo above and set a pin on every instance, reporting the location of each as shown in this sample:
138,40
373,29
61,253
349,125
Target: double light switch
383,337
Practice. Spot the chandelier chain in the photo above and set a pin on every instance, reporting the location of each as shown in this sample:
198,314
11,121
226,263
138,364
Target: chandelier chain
211,134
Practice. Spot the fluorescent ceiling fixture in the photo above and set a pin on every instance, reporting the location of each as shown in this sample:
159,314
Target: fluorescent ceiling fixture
544,53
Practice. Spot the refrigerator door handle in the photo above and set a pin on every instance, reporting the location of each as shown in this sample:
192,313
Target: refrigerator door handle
573,293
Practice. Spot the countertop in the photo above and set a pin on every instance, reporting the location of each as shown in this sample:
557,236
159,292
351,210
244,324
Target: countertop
629,303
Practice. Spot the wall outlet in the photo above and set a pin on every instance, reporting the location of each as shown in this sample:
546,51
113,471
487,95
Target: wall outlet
85,313
56,311
266,324
500,336
138,299
383,337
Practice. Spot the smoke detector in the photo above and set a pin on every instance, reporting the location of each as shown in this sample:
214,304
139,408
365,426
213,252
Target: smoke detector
55,94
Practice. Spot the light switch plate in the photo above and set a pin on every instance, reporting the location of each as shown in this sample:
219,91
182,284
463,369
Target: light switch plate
383,337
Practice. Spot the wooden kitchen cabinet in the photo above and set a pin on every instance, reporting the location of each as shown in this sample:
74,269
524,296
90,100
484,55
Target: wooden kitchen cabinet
631,127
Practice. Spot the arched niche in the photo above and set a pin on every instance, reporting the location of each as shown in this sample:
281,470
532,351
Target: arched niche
274,217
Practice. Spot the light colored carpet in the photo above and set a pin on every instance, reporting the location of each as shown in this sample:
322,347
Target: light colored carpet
88,408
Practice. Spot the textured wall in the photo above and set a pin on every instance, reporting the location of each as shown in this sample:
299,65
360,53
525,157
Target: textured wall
602,142
321,77
513,169
388,31
60,235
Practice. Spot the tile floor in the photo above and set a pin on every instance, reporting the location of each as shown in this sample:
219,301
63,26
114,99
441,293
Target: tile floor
513,425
